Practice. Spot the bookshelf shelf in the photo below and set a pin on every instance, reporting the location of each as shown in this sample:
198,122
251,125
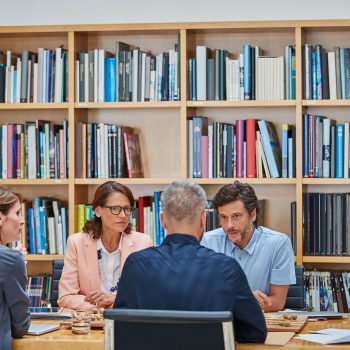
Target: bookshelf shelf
126,181
325,181
242,104
41,182
326,103
127,105
43,257
19,106
256,181
327,259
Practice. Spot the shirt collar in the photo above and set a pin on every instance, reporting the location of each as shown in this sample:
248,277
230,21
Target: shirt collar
180,238
99,245
252,243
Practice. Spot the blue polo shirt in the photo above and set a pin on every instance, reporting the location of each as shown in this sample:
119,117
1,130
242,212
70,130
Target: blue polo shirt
267,259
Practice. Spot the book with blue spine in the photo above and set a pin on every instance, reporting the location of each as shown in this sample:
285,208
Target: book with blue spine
318,73
247,82
314,74
156,217
110,79
285,131
339,151
31,234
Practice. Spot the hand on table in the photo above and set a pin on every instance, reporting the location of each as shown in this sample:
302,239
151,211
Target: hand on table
262,299
100,298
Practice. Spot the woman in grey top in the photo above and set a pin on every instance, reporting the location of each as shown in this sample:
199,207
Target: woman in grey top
14,300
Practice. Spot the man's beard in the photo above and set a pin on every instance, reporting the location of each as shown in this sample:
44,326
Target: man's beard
242,233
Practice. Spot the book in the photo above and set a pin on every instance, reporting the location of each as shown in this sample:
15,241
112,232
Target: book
133,155
271,147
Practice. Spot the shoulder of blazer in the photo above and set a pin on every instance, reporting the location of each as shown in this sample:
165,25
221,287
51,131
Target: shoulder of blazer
138,238
80,238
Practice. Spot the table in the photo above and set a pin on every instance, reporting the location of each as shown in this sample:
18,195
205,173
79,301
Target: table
66,340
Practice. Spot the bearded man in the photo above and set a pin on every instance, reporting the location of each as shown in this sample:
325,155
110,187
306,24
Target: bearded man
266,256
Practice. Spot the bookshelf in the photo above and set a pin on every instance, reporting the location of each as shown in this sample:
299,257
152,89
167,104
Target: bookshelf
165,123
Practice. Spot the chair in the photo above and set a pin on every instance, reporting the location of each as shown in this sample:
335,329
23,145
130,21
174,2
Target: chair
127,329
57,266
295,296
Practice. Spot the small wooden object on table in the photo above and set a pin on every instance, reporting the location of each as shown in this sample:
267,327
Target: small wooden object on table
285,322
94,318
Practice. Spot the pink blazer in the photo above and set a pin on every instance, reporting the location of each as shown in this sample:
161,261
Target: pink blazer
80,274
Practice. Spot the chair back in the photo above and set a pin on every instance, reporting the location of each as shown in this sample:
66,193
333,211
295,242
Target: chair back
295,296
57,266
127,329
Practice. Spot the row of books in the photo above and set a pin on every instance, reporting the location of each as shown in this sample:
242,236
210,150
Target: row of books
107,151
128,75
213,75
46,226
249,148
326,223
326,74
325,147
34,76
39,290
327,290
83,213
34,150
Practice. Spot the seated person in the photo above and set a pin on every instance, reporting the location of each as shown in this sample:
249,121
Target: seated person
180,274
95,258
14,300
265,256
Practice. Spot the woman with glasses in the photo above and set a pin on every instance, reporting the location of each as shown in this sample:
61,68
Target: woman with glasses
14,300
94,259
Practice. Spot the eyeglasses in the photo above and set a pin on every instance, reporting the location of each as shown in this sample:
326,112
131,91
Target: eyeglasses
117,209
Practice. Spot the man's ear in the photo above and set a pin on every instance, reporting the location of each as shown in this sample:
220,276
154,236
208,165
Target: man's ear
163,221
203,219
253,215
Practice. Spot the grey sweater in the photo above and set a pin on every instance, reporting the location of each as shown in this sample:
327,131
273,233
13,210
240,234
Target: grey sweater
14,300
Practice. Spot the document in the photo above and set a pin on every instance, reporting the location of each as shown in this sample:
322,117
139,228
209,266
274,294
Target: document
328,336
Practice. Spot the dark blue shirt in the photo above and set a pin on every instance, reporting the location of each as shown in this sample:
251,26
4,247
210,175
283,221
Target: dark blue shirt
182,275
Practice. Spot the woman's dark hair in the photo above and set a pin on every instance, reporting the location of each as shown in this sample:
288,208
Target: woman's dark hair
8,198
94,225
238,191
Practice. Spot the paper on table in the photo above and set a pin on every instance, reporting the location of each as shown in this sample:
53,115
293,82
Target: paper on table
328,336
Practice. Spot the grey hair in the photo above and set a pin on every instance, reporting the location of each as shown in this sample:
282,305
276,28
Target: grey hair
183,201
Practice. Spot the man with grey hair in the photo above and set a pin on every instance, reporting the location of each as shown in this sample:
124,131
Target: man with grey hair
180,274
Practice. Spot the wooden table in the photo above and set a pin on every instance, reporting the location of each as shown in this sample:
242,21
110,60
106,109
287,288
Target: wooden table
66,340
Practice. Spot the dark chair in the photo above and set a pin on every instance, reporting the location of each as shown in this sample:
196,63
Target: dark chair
57,266
295,296
127,329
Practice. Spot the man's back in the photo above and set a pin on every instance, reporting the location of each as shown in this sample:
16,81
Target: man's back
182,275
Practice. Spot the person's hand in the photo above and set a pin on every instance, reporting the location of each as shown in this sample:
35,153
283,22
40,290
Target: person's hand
100,299
262,299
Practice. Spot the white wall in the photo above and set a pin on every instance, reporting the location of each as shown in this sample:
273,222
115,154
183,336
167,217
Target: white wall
31,12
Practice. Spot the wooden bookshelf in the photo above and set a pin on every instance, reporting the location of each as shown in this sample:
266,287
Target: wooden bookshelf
163,125
43,257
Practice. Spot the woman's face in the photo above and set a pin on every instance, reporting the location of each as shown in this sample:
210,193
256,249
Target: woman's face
107,213
11,224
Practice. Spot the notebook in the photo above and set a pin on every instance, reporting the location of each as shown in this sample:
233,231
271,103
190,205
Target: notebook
38,329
